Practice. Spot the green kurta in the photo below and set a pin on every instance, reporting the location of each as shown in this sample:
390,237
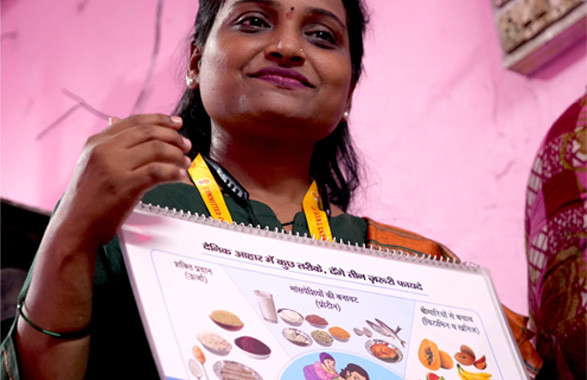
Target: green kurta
119,347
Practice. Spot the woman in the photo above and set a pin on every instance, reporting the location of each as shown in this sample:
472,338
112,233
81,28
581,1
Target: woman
274,78
324,369
270,85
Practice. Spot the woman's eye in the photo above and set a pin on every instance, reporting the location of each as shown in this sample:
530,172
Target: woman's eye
322,38
252,23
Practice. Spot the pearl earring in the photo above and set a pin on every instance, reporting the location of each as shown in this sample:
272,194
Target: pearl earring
189,81
345,115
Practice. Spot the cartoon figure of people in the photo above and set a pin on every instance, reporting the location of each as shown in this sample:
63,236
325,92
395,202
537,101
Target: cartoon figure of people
354,372
323,369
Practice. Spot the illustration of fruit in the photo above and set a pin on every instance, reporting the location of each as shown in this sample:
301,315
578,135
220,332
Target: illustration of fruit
464,358
466,375
480,363
429,355
446,361
468,350
433,376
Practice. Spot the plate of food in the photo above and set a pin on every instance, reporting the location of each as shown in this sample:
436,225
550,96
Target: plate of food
339,334
322,338
215,343
316,321
383,350
229,370
297,337
227,320
290,317
253,347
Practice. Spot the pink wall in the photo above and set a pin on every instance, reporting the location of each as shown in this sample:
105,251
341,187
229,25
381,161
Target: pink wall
446,133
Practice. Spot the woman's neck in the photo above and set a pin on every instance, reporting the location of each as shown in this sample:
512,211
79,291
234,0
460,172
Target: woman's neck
273,172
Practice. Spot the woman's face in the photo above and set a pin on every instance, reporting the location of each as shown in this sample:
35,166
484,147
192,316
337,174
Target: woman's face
276,63
329,363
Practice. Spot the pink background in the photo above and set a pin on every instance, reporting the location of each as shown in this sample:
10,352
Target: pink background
446,133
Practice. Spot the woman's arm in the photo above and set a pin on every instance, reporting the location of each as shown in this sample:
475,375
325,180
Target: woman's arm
115,169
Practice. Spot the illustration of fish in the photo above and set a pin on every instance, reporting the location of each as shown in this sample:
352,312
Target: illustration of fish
384,329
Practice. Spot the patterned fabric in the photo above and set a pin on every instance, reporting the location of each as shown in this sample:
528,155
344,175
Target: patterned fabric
381,236
556,222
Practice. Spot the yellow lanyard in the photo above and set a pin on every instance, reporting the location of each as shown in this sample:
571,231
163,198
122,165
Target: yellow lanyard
316,217
202,177
209,190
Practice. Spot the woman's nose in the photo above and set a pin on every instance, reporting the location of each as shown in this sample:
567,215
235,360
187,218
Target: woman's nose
286,49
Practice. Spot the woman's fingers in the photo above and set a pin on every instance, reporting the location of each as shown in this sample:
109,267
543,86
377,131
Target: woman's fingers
153,151
143,133
148,145
121,163
117,125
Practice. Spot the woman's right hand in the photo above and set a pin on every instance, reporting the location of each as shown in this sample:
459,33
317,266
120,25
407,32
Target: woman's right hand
116,167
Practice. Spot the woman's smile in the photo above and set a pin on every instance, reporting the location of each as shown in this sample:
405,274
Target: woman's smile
283,78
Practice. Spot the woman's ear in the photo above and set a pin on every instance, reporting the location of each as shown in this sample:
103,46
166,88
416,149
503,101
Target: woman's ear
193,71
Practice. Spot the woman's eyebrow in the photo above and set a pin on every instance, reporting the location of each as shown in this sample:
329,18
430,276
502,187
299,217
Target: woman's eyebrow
265,2
327,13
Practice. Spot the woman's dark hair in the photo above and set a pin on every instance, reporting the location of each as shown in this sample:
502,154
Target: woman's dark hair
350,368
334,163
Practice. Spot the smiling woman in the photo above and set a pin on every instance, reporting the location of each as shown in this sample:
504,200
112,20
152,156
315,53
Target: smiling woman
260,137
294,59
285,80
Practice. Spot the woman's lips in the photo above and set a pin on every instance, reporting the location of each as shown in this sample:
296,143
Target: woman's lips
284,78
283,82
